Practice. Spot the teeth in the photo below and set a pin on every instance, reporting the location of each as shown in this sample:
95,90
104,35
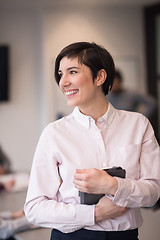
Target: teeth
71,92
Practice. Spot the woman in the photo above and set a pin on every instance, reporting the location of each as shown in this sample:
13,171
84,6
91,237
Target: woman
72,152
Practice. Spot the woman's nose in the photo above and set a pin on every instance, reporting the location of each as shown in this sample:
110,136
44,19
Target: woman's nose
64,81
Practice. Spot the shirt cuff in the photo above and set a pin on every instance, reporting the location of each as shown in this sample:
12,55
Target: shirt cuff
123,192
85,214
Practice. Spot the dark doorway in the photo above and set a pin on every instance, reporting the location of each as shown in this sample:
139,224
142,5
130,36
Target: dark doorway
152,32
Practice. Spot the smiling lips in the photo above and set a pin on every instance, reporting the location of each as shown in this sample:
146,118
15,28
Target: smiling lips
72,92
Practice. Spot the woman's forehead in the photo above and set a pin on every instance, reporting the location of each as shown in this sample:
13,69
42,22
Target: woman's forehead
69,62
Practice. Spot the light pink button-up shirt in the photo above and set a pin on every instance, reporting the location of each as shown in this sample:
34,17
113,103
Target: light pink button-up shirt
120,138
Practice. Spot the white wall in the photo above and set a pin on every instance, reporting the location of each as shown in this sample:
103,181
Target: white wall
19,117
36,35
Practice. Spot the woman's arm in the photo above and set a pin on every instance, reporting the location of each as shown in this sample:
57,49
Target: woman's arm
51,202
45,205
131,193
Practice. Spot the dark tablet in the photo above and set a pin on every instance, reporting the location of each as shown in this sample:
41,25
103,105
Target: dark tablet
90,198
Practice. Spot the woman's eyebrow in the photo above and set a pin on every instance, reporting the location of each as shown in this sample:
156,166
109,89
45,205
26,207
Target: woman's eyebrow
69,68
72,68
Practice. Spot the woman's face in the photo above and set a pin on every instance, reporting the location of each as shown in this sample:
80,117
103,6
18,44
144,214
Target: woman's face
76,82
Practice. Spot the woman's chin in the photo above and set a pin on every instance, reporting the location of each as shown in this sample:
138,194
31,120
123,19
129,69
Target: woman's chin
71,103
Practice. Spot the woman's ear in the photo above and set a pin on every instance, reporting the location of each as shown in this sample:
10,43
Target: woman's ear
101,77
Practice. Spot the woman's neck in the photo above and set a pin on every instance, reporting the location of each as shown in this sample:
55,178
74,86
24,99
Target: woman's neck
97,110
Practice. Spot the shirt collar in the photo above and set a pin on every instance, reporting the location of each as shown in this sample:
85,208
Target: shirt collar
85,120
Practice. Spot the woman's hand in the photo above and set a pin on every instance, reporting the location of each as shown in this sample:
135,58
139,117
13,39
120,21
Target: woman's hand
95,181
106,209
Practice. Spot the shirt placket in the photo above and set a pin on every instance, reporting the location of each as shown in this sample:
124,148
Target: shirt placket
102,161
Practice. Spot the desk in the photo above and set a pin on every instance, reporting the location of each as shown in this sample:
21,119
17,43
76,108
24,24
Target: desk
15,201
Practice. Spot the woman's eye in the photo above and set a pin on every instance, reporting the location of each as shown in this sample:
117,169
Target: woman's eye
73,72
60,74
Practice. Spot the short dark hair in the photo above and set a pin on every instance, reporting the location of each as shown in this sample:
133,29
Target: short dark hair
93,56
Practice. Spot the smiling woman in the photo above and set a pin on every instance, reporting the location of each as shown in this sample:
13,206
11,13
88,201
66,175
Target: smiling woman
73,151
77,83
85,73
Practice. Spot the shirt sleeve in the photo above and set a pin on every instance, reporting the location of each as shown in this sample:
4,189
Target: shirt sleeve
42,206
145,191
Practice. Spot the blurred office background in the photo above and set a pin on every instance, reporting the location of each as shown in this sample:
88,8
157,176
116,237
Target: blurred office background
35,31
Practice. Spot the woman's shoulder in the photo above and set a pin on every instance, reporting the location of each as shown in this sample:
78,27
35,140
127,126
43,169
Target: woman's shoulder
132,116
59,124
